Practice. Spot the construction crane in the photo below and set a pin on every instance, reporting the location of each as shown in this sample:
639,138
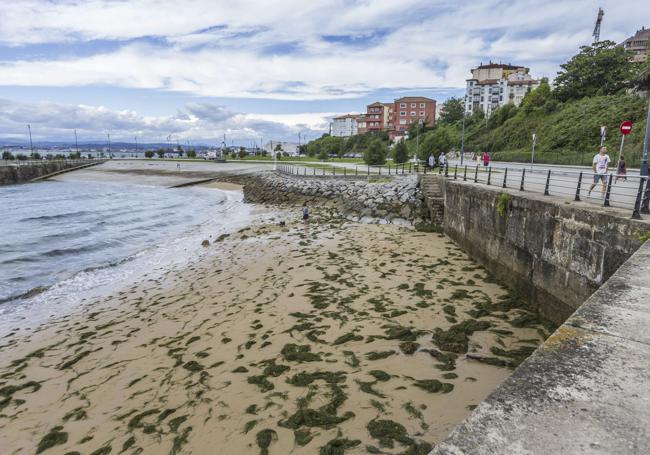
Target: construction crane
599,20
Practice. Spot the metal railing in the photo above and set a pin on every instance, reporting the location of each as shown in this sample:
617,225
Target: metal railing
630,192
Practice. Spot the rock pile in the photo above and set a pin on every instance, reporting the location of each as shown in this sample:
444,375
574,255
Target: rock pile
391,199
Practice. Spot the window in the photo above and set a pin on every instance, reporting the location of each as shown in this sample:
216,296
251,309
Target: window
402,121
414,104
412,113
402,113
402,104
422,105
421,113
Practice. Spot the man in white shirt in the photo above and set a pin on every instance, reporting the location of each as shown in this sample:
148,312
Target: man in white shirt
442,159
432,161
600,164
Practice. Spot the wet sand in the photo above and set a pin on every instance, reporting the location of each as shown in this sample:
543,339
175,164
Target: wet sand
327,338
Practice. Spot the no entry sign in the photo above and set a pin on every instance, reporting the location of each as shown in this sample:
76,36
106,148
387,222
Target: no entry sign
626,127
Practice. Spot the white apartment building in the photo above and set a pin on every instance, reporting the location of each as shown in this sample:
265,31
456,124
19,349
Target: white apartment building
496,84
344,125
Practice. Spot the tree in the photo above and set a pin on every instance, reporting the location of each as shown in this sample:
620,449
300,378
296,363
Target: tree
323,155
452,110
72,155
179,150
191,153
160,153
442,139
535,99
278,147
242,153
400,153
375,153
600,69
35,156
8,156
149,153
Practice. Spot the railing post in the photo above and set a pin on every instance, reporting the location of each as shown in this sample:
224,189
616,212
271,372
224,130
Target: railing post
523,177
446,170
356,169
505,177
368,170
645,200
548,182
379,170
636,215
425,169
402,168
476,174
409,167
345,172
577,198
388,169
609,189
455,172
489,175
465,174
314,172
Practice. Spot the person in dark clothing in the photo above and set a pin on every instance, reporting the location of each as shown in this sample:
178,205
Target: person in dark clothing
621,172
305,213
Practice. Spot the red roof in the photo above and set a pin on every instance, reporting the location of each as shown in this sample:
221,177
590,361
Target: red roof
407,99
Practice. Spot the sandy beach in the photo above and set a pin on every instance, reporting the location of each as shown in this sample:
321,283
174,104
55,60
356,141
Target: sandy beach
335,337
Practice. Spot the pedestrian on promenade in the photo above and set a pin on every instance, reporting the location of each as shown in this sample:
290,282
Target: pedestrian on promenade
178,166
432,161
486,158
621,172
442,159
305,213
600,165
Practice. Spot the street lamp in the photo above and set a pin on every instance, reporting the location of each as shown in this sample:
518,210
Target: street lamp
644,159
462,139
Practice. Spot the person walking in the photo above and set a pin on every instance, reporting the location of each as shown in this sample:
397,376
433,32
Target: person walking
305,213
486,158
600,165
621,172
442,159
432,161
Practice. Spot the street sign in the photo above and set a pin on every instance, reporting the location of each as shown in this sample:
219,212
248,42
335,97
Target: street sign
626,127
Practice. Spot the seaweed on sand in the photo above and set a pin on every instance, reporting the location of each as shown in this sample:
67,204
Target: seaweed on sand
448,359
517,355
367,388
299,353
347,337
409,347
302,437
264,439
379,355
387,432
324,417
261,382
53,438
379,375
303,379
455,338
433,385
338,446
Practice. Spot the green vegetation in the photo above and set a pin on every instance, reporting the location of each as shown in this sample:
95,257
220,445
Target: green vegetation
376,153
400,153
53,438
591,90
328,146
503,201
264,439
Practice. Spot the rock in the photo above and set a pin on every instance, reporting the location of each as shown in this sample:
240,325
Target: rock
206,242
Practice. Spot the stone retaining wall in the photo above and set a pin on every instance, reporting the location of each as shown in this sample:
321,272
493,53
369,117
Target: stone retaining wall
395,200
553,253
12,174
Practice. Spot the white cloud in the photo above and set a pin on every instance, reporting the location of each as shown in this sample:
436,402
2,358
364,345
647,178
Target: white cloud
196,122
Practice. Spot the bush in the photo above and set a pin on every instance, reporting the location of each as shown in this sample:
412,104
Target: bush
149,153
191,153
21,157
375,154
8,156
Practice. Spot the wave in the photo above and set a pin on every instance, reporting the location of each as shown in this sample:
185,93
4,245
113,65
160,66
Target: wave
58,216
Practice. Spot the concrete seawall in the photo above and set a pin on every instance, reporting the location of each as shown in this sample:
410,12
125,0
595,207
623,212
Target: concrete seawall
554,254
12,174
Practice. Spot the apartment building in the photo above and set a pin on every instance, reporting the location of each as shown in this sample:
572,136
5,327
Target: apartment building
345,125
496,84
638,44
376,118
411,109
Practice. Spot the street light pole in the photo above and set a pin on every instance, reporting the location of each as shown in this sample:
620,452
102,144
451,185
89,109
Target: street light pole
462,139
31,145
108,135
76,143
644,159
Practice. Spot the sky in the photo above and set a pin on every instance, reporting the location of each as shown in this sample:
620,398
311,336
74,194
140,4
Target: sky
260,70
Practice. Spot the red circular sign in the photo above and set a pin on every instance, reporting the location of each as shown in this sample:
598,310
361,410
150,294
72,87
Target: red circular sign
626,127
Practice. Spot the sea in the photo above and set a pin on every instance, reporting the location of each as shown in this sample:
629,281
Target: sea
64,241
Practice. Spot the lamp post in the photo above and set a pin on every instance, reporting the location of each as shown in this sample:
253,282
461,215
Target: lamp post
462,139
76,143
644,159
31,145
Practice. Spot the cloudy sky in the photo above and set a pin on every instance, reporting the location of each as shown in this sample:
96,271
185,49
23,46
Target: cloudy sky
263,69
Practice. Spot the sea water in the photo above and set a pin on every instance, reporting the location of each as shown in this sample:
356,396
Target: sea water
62,240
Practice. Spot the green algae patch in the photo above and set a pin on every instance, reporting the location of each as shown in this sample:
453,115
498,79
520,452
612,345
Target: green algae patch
313,418
55,437
379,375
388,432
379,355
193,366
304,379
455,338
338,446
434,386
299,353
241,369
517,356
347,337
409,347
366,387
136,421
302,437
261,382
447,359
264,439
